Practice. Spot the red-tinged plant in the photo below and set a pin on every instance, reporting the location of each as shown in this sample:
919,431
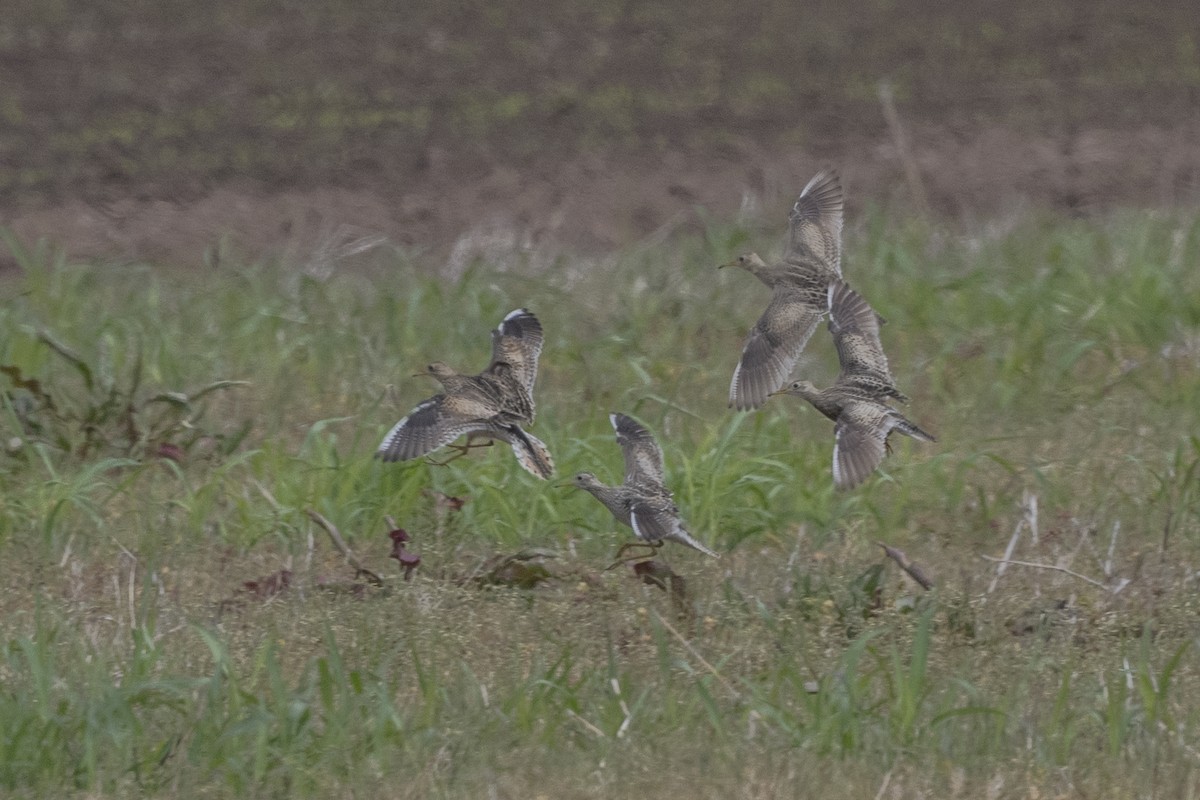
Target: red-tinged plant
409,561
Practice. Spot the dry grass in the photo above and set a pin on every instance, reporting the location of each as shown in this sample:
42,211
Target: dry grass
1054,363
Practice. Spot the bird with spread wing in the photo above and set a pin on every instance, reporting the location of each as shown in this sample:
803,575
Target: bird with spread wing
643,501
492,405
812,259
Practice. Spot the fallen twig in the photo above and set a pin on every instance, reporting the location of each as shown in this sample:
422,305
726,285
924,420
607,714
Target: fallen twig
912,568
591,728
1054,567
342,547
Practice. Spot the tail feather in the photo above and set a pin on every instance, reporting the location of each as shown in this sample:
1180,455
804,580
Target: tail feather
683,537
909,428
531,453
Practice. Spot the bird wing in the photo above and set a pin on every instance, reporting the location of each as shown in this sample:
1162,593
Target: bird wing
643,456
815,223
656,518
653,518
514,403
772,347
517,342
855,328
432,424
860,438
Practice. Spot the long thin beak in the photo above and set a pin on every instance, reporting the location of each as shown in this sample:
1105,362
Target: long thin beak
727,264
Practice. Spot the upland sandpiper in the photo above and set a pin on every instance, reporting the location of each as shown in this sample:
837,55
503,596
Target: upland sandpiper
858,400
643,502
811,260
491,405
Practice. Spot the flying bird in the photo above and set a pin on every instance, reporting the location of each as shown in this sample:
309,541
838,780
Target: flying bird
858,400
642,502
812,259
492,405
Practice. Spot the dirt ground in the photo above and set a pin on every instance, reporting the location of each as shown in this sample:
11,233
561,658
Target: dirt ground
263,130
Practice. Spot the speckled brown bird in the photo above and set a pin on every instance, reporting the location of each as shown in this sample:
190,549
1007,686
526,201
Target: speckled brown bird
643,501
858,400
491,405
811,260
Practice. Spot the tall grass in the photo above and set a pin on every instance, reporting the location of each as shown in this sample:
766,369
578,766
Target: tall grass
1058,361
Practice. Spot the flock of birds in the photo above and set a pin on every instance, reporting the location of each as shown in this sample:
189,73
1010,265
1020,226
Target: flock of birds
806,285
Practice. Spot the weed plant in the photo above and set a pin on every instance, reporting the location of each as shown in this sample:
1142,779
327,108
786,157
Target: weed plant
174,623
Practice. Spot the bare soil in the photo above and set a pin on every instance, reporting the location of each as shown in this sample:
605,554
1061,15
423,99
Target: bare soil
174,134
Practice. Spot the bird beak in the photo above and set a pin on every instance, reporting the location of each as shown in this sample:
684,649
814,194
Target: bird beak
777,391
727,264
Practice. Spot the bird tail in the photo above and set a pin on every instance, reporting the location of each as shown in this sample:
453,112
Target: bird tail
909,428
531,453
683,537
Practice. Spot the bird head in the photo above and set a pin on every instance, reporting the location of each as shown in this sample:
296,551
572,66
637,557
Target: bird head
747,261
798,388
439,370
584,480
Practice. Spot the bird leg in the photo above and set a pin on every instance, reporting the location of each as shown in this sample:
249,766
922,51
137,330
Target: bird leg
462,449
623,559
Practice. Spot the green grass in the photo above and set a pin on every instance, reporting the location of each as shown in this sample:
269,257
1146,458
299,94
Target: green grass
1058,362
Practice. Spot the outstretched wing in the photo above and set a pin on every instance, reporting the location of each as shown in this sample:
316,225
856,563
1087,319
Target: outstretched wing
432,424
860,438
772,348
815,223
643,456
855,328
517,341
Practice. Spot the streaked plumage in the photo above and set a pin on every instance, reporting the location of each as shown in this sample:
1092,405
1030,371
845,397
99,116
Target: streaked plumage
493,404
812,259
858,400
642,502
855,329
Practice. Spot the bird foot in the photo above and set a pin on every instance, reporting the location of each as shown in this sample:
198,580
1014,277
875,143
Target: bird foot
462,449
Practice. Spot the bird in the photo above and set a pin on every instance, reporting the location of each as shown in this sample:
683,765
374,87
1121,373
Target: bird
642,502
857,401
492,405
812,259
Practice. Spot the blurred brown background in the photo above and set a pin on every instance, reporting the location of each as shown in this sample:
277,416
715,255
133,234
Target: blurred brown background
150,130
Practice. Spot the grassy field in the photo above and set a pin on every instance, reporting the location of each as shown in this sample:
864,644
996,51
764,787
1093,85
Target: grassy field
173,623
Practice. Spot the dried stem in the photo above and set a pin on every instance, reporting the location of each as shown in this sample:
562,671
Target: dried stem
342,547
912,568
911,173
703,661
1054,567
1008,551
